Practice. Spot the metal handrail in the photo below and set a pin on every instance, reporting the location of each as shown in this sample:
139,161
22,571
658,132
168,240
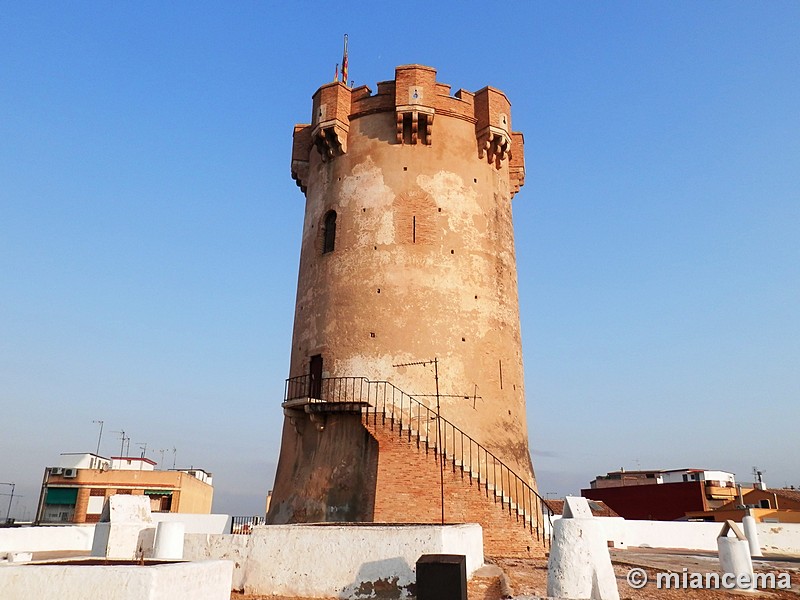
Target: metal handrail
415,419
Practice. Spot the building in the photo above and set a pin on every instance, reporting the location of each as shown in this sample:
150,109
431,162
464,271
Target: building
663,494
624,478
407,307
75,491
766,505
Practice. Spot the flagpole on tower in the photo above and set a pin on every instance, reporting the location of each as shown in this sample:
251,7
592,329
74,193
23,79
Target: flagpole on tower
344,61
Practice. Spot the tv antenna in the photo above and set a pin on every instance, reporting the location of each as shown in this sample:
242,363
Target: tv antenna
758,475
99,437
124,439
142,447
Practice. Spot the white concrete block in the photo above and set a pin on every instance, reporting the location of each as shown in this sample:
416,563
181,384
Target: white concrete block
580,565
46,539
126,529
124,508
350,561
734,557
124,541
576,507
209,580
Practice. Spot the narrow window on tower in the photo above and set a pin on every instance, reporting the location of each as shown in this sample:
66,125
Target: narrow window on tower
329,233
408,136
423,129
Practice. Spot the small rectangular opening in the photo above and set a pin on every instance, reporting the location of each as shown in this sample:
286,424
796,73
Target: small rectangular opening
422,131
407,137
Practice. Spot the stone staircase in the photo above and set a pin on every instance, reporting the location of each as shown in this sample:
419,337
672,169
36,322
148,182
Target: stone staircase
423,457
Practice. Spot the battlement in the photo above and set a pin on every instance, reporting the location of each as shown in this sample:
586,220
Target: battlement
417,100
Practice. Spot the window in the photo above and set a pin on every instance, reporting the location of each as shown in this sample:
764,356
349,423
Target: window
329,232
160,500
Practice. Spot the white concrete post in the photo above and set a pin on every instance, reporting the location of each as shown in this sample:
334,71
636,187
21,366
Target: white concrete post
751,533
579,564
734,555
122,522
169,540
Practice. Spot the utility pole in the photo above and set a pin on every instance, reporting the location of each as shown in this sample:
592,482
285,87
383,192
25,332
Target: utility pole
99,437
10,500
424,363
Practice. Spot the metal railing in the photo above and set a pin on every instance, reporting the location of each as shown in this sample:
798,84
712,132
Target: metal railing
417,422
244,525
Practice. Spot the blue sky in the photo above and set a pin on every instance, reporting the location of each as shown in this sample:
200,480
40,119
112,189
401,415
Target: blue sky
150,230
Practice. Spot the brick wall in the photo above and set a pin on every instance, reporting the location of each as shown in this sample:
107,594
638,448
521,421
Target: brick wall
408,490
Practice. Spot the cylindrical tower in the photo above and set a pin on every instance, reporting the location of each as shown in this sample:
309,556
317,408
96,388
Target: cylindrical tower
407,255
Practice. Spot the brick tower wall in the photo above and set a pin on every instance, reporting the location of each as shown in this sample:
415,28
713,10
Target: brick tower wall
423,263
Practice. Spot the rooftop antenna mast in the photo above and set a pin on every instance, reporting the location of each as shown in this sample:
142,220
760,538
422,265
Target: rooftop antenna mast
122,445
758,478
10,500
161,464
142,447
99,437
174,456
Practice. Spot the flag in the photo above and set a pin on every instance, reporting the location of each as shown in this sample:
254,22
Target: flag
336,76
344,61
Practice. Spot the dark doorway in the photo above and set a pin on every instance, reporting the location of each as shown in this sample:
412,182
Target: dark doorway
315,379
329,233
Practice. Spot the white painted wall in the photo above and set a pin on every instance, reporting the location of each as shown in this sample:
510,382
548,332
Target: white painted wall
691,535
317,561
676,476
209,580
196,523
78,538
46,539
774,538
132,463
779,538
236,548
82,460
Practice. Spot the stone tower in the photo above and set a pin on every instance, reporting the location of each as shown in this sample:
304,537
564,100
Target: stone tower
407,255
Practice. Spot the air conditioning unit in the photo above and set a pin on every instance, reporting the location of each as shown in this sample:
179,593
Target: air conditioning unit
56,470
70,473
